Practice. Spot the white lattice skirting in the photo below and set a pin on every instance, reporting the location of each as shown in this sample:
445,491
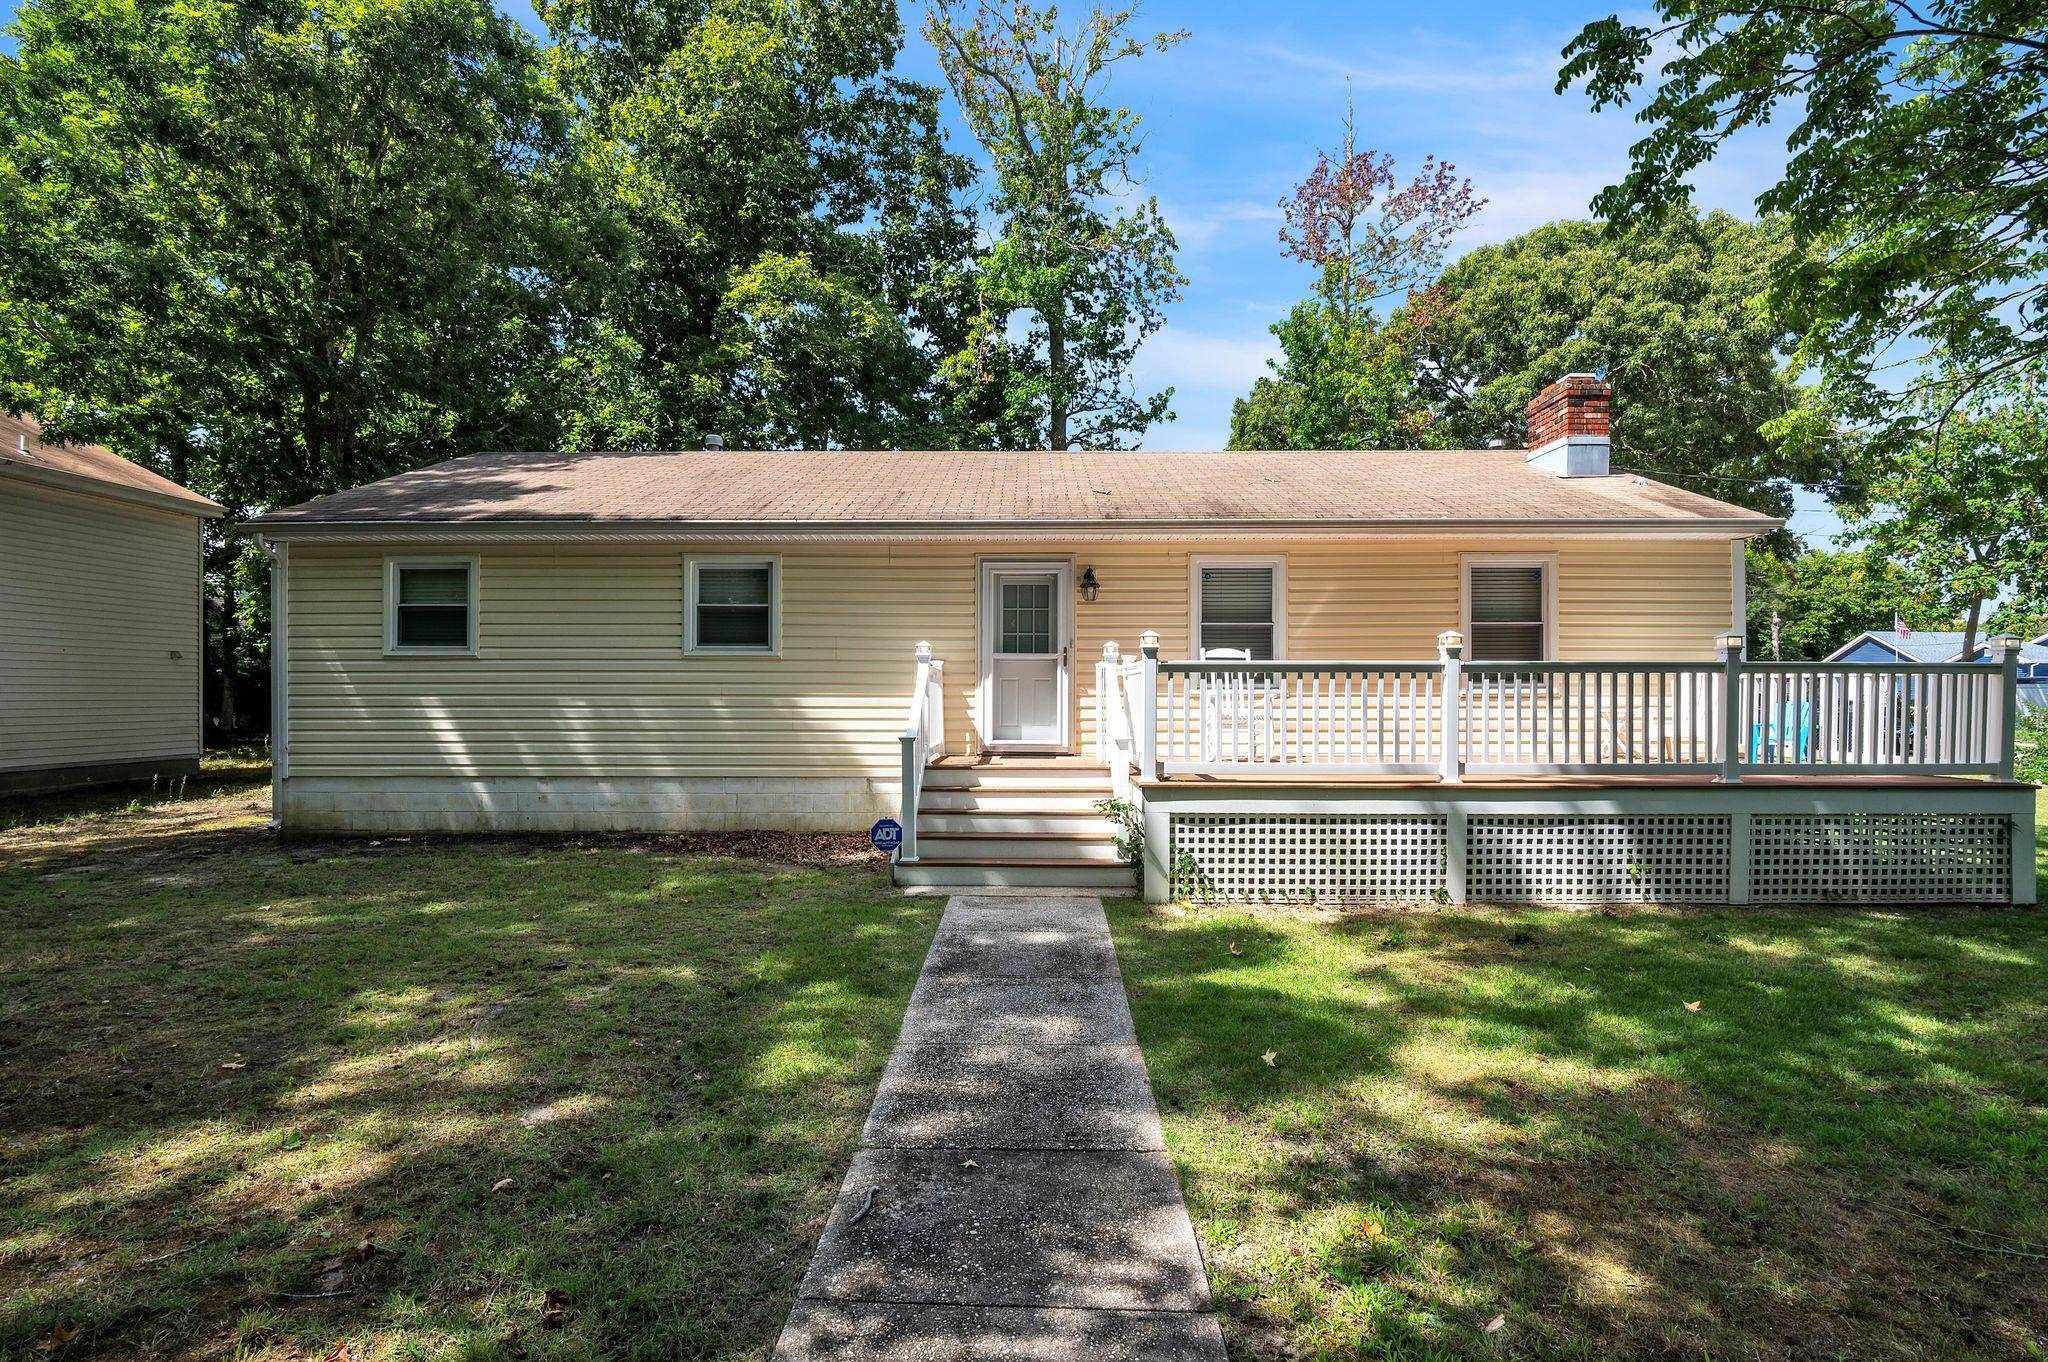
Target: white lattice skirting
1881,858
1277,857
1591,858
1570,858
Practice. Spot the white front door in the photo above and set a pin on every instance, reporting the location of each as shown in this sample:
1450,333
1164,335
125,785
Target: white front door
1025,633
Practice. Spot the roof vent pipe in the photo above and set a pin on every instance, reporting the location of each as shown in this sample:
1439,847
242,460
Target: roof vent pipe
1569,424
714,442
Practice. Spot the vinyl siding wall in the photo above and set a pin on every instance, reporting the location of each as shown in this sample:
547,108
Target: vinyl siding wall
580,669
99,631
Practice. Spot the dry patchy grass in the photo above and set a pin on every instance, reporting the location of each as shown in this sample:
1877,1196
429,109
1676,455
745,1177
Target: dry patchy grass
448,1099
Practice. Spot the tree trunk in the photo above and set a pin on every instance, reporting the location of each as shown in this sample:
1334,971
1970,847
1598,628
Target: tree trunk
1056,381
1970,623
230,721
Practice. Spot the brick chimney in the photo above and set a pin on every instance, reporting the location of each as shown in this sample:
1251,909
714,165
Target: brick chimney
1568,425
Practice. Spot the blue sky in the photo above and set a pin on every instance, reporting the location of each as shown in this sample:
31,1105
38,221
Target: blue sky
1234,116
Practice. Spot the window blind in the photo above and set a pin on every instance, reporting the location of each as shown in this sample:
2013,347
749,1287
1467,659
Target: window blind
735,606
433,607
1237,609
1507,614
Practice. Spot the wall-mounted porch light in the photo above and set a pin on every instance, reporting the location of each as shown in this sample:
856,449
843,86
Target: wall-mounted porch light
1089,586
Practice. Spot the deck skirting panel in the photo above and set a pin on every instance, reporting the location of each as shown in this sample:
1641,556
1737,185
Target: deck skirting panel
1966,842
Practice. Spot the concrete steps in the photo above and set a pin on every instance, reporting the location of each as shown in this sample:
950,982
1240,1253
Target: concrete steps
1015,823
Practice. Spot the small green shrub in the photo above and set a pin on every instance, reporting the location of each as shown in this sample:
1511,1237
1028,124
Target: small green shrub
2030,755
1130,827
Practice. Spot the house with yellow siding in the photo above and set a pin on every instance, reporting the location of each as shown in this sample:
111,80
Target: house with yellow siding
984,647
100,635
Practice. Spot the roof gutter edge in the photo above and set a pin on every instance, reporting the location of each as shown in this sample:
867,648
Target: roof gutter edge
698,530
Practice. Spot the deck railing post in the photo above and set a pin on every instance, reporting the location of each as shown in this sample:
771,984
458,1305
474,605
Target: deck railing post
1146,739
2005,731
1450,651
935,725
1107,703
1731,709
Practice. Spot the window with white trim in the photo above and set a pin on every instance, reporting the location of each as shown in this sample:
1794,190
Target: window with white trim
1240,606
1507,610
730,605
430,605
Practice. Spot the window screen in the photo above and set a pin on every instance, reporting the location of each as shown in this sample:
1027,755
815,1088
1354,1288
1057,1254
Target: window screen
433,607
1507,614
1237,610
735,606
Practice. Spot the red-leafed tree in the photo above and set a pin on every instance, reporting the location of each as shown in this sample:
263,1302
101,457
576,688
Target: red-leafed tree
1369,238
1346,379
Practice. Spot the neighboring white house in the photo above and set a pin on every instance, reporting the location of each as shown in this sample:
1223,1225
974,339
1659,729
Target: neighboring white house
100,629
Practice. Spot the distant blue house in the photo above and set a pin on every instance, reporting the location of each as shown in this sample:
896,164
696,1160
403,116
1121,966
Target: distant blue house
1882,645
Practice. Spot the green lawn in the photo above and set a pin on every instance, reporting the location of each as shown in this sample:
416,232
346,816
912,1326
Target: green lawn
1396,1128
421,1099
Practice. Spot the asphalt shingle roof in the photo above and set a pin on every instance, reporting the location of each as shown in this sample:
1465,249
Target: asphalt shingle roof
22,444
957,487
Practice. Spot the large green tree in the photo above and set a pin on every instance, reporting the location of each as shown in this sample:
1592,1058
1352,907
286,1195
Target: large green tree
798,256
1916,189
1664,310
1804,606
1962,510
278,249
281,249
1083,274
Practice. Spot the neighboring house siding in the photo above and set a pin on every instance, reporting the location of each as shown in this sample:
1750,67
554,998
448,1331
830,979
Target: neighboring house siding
99,631
580,670
1869,650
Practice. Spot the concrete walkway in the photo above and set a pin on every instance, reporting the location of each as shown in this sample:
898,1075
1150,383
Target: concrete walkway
1012,1198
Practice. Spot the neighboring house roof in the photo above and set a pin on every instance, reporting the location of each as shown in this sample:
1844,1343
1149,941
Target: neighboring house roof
1932,645
1406,489
88,468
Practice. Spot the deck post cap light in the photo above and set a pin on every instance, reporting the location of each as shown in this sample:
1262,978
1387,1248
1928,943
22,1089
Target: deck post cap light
1089,585
1732,642
2006,643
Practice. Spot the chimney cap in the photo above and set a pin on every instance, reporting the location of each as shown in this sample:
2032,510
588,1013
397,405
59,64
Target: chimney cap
714,441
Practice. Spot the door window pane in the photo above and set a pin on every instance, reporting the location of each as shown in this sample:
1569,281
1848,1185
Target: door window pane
1027,622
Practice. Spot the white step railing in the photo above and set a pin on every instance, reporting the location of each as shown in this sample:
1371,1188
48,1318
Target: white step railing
923,738
1449,717
1117,728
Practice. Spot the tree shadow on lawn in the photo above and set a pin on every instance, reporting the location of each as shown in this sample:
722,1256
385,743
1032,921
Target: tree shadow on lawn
1468,1114
430,1098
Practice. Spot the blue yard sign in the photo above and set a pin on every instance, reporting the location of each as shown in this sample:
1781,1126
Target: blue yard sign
886,834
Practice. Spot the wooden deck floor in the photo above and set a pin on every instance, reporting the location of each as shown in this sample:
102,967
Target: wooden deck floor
1604,781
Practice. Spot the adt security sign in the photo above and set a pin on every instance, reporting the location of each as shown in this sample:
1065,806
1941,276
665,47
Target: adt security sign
886,834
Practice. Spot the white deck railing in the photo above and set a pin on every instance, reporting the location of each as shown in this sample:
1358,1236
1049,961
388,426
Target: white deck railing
1928,717
923,738
1304,717
1450,718
1567,717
